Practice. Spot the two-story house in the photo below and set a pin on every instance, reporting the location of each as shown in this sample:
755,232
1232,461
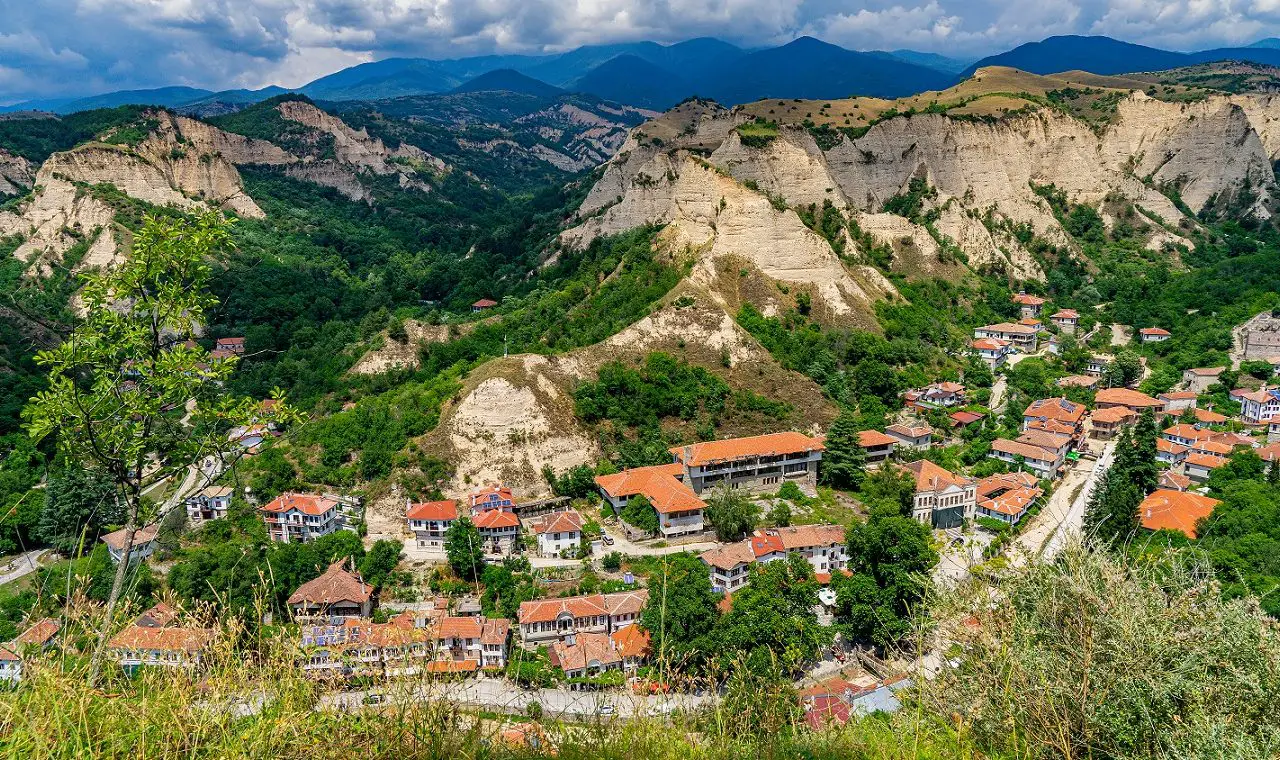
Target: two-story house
1257,407
729,566
169,647
1106,424
910,436
1126,397
679,509
491,497
1030,306
209,503
942,498
1042,462
1153,335
336,593
1023,337
430,520
545,620
476,638
1066,413
499,531
1007,496
1198,379
298,517
144,543
993,351
823,546
1066,320
878,446
758,463
1176,402
558,532
935,396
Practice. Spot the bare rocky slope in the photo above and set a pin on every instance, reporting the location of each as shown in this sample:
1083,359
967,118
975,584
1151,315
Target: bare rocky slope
722,196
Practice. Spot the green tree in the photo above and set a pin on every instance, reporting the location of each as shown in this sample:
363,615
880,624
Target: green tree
844,463
577,482
1111,515
732,512
681,610
113,380
889,490
780,515
772,618
1124,369
464,549
78,504
639,513
380,561
889,560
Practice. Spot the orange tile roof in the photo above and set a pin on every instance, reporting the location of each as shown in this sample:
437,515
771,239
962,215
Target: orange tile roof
729,556
163,639
547,610
1190,432
659,484
588,649
335,585
763,544
1154,331
1112,415
1209,461
1056,408
870,438
1212,447
7,654
1008,328
808,536
488,492
1180,396
1077,381
559,522
492,519
631,641
143,535
771,444
159,616
1169,447
496,631
1005,481
1013,502
1174,481
626,602
966,418
1175,510
930,477
439,667
1025,450
1051,426
485,303
910,431
1028,299
989,344
433,510
1126,397
1052,442
1209,417
41,633
1234,440
308,504
1029,322
1207,371
1066,314
1270,453
465,627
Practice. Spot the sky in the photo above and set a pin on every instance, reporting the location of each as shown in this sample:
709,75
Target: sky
57,48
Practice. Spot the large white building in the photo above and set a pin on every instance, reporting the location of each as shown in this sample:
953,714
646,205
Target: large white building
545,620
679,509
296,517
942,498
758,463
430,520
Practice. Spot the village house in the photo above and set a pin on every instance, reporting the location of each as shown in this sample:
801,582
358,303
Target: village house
632,643
1096,366
476,638
1068,414
1185,435
585,654
758,463
1044,463
729,566
1023,337
942,498
430,520
1176,402
39,635
1208,417
10,664
144,543
993,351
1131,399
822,546
1213,447
1031,306
1175,510
1055,443
1199,466
1106,424
159,615
1172,454
878,446
483,304
209,503
401,646
679,509
336,593
1153,335
1257,407
961,420
1007,496
499,531
169,647
1066,320
546,620
558,532
1174,481
296,517
935,396
229,346
910,436
1273,431
1198,379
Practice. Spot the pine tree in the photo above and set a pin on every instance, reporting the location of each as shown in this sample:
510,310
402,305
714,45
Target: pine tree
1111,516
1146,470
844,463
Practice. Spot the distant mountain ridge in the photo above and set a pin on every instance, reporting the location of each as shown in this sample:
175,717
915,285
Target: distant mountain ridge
653,75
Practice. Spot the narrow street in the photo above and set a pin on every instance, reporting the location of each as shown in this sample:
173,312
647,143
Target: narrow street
1063,516
22,565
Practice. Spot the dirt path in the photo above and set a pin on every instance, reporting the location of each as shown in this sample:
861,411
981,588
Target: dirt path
1119,335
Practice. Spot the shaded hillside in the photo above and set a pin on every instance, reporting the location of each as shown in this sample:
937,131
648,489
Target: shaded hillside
631,79
1100,55
508,80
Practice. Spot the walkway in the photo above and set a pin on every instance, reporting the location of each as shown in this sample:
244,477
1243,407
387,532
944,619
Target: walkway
21,566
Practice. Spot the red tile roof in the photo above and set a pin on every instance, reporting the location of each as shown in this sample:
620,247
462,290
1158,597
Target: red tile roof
1077,381
1208,461
910,431
771,444
439,667
989,344
1179,396
559,522
1207,371
1190,432
1005,481
659,484
930,477
729,556
1270,452
333,586
1167,446
485,303
1024,450
631,641
159,616
1013,502
1052,442
1112,415
1154,331
1174,481
764,544
588,649
465,627
143,535
1126,397
1008,328
433,510
1028,300
965,418
1066,314
495,631
1174,510
1056,408
1209,417
492,519
308,504
869,438
41,633
163,639
547,610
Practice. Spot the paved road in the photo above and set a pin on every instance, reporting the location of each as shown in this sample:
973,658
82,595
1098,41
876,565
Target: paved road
1073,523
499,695
24,564
1063,516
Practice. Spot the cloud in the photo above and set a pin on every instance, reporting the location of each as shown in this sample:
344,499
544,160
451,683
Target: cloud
52,48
